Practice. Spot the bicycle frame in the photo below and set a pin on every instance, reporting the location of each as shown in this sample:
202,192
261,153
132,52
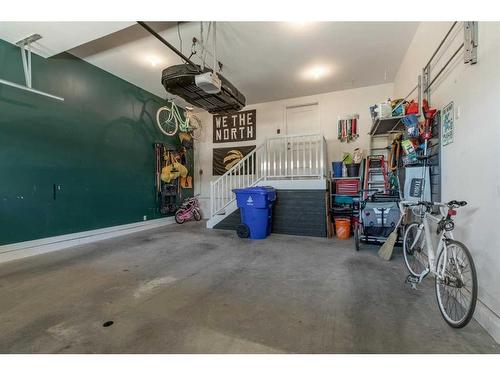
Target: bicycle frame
174,114
187,207
432,253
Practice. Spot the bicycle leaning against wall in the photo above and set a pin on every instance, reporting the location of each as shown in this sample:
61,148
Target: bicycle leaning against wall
449,261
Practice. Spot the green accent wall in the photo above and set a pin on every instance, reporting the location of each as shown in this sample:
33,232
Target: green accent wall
97,146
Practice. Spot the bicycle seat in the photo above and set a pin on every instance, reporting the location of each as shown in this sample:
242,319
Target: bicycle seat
455,203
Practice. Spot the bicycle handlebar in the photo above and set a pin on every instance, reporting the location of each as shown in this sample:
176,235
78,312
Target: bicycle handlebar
450,204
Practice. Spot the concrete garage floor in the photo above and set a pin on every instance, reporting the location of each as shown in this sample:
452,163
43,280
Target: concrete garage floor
186,289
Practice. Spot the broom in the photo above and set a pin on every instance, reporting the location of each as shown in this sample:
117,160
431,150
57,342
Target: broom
387,248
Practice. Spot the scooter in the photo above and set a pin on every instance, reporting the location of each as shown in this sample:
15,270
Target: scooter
188,210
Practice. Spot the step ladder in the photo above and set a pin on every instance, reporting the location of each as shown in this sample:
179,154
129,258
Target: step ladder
376,174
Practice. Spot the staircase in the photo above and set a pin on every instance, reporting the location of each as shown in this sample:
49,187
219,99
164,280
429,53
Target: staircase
287,162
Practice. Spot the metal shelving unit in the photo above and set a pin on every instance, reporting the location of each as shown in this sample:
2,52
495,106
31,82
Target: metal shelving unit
382,128
332,183
343,210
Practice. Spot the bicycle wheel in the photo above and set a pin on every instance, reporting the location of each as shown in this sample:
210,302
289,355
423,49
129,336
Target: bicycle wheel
357,234
166,121
195,127
197,215
414,250
178,217
456,292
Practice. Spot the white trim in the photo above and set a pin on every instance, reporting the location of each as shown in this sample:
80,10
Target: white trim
45,245
488,319
299,184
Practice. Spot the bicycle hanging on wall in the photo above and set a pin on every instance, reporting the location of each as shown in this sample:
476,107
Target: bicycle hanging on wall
170,120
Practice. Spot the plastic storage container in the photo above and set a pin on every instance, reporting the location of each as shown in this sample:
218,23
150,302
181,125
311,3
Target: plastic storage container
353,170
343,228
337,168
348,186
255,204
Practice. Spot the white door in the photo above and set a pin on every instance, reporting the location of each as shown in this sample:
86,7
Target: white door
302,119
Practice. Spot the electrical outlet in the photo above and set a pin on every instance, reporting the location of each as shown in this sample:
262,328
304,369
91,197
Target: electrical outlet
458,112
145,217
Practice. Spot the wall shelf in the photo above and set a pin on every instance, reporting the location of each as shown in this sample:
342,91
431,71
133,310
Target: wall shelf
385,126
345,178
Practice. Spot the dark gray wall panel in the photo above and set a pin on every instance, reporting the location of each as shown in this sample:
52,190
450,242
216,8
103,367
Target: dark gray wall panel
296,212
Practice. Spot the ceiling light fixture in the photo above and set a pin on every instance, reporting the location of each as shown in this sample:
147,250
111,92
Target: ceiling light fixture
316,72
298,24
153,60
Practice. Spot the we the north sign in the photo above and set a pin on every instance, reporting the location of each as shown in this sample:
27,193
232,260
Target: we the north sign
236,127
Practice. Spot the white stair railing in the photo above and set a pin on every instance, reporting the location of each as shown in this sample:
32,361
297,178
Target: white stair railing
296,156
287,157
247,172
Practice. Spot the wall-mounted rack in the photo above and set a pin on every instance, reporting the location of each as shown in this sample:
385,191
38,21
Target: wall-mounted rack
25,46
347,128
469,45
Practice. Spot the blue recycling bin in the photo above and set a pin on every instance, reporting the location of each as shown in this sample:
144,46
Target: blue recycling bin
255,204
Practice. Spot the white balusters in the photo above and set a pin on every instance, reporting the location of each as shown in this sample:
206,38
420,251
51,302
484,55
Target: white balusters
286,157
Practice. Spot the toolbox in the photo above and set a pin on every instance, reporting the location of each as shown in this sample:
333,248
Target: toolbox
347,186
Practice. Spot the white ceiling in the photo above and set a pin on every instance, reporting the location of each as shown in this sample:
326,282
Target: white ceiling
264,60
58,37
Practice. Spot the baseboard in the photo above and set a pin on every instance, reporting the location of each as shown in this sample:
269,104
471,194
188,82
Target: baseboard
45,245
488,319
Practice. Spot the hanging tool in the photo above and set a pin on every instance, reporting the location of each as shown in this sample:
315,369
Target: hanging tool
429,113
394,153
426,134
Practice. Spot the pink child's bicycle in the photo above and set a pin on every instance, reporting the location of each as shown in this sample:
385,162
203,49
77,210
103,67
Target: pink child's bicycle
188,210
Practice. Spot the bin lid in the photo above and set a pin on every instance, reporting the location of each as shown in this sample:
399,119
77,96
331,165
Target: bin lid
255,190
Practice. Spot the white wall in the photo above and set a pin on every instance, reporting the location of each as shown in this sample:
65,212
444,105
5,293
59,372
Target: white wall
470,165
271,116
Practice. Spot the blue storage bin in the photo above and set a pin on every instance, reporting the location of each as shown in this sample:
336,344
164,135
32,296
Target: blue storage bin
337,167
344,199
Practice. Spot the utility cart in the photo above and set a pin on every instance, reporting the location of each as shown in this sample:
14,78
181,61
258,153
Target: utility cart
378,216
